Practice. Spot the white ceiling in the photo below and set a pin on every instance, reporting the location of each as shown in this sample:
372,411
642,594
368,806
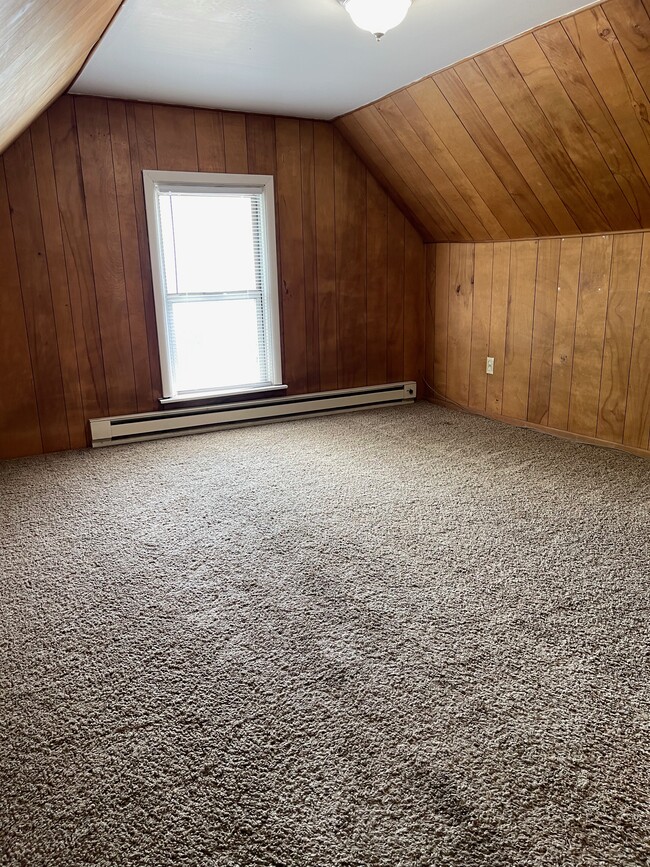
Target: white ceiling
291,57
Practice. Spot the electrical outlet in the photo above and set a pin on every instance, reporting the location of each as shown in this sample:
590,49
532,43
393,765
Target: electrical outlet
489,368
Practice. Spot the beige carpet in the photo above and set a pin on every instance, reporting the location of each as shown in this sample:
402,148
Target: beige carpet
402,637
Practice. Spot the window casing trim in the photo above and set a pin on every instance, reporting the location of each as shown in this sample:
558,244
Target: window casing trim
156,182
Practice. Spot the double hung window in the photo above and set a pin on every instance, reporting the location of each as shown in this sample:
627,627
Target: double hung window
212,241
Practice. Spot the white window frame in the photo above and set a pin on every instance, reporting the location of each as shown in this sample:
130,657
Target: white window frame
158,181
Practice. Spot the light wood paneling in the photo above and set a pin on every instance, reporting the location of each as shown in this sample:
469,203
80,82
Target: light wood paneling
541,356
519,326
564,332
43,47
545,136
498,324
459,321
481,307
78,326
568,325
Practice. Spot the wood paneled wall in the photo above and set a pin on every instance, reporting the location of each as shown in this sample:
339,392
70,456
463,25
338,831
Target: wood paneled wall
547,135
77,333
43,46
567,323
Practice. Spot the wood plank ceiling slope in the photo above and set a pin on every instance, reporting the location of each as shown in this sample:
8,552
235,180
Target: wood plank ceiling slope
44,45
547,135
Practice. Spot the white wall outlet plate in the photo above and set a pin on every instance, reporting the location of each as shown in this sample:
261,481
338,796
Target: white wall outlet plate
489,367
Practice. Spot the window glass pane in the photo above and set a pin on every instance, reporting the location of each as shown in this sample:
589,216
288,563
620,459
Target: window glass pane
215,343
208,243
216,300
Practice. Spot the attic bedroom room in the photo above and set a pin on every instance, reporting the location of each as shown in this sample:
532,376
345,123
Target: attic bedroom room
325,433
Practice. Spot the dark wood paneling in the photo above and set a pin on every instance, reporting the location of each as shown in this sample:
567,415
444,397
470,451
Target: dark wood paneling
99,182
328,311
569,330
544,136
36,293
292,263
76,248
350,222
78,325
20,430
377,277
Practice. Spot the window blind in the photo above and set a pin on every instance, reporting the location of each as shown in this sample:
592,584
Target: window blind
215,288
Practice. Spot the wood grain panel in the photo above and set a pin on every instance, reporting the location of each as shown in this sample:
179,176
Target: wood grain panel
461,101
565,325
36,293
619,331
569,329
377,276
637,410
414,306
541,356
591,107
235,143
44,45
605,61
456,138
441,320
210,144
498,325
326,256
78,329
480,341
376,125
545,85
431,252
544,136
449,222
20,430
382,168
498,118
106,249
59,287
590,334
124,189
519,328
292,263
308,183
142,146
459,321
396,290
76,248
260,137
175,136
536,129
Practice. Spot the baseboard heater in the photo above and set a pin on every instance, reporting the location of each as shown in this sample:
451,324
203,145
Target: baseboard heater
178,422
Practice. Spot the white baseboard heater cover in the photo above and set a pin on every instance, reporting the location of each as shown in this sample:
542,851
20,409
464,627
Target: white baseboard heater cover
178,422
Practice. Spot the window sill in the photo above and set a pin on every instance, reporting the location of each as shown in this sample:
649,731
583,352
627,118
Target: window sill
214,396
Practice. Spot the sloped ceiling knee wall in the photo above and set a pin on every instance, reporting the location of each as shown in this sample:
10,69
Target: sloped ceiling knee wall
547,135
44,45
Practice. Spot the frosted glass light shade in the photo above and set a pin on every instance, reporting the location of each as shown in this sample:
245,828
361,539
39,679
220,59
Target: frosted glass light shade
377,16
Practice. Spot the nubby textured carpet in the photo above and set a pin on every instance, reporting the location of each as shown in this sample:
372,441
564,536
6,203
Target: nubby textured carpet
386,639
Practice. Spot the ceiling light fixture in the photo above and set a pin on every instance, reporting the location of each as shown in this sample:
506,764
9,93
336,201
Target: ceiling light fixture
377,16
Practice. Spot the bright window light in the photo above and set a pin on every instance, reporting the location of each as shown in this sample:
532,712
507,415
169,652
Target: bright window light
213,244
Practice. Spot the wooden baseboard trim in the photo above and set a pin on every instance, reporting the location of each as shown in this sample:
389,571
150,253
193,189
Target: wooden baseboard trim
561,434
